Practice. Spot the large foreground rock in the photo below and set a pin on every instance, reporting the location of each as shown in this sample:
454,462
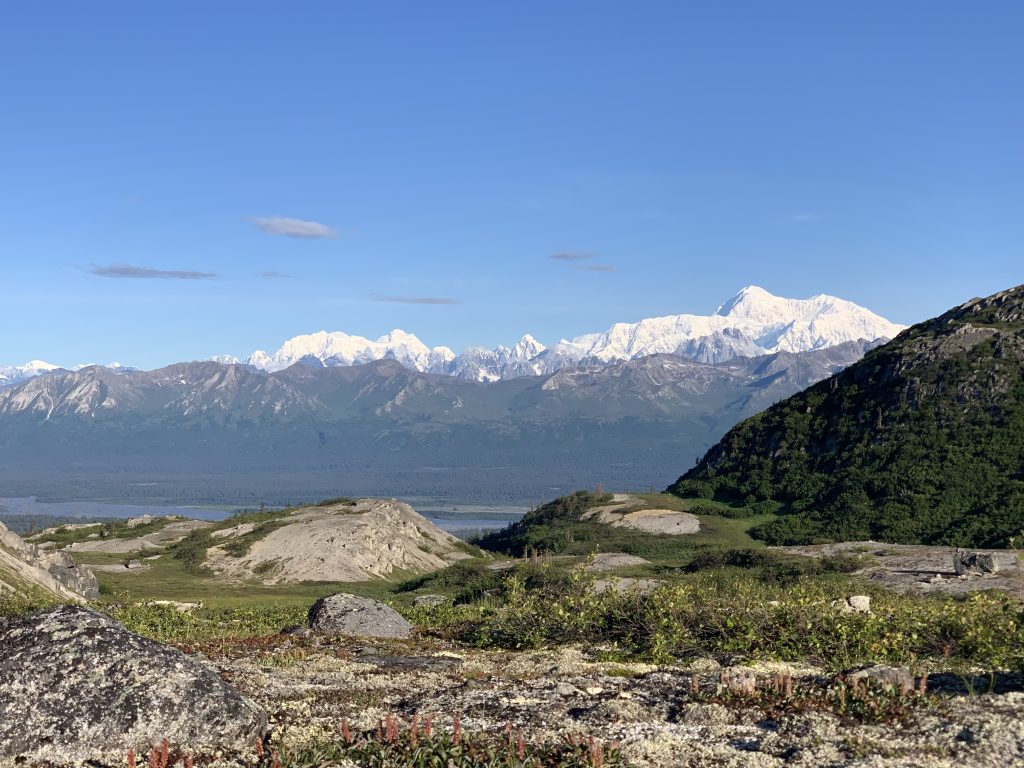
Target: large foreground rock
343,614
76,685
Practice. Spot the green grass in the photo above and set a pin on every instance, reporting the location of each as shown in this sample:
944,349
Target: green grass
560,527
112,529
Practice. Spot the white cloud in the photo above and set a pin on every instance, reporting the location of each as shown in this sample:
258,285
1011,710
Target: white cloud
282,225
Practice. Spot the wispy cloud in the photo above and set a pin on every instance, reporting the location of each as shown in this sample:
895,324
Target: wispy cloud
272,275
129,271
434,300
573,259
282,225
571,256
803,218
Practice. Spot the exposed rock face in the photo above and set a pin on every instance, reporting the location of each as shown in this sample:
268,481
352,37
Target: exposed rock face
342,542
25,567
343,614
75,685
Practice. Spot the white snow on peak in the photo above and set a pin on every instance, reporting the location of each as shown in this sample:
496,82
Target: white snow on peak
753,322
339,348
15,374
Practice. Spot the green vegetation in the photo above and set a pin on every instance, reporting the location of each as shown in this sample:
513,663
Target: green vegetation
108,529
920,442
562,527
729,615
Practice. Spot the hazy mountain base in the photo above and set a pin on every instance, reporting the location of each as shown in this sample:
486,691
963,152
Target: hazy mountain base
207,432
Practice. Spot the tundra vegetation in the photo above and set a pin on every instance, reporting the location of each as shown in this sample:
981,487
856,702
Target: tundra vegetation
718,596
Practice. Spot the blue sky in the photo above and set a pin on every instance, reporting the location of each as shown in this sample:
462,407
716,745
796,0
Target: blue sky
448,150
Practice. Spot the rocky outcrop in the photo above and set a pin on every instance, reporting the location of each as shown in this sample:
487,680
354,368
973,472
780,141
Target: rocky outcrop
343,614
366,540
26,568
76,686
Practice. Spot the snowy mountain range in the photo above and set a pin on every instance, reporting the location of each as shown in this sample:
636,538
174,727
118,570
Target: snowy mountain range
753,322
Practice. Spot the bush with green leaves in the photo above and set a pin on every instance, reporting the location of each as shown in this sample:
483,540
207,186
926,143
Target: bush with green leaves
733,616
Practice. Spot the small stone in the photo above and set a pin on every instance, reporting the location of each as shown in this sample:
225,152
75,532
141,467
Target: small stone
430,601
859,603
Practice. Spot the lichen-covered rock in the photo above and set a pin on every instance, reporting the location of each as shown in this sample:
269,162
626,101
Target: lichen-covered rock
75,685
343,614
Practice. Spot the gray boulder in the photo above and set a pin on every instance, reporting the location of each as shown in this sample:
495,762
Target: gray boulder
343,614
75,686
969,563
895,678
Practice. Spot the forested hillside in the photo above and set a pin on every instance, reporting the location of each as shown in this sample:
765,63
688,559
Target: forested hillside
921,441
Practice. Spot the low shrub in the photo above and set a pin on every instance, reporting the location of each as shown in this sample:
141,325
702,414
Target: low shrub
736,616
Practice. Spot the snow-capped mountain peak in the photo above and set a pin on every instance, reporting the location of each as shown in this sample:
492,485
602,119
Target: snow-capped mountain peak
526,348
15,374
753,322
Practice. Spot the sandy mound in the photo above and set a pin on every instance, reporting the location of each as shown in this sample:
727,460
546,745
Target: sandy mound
667,521
372,539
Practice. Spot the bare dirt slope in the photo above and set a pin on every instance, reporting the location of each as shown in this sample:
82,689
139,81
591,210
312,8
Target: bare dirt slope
369,539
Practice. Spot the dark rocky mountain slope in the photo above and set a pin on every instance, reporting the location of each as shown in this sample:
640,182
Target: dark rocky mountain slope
922,441
216,432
